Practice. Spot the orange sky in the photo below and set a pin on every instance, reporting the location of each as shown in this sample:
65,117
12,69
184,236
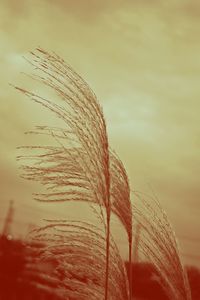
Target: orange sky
142,60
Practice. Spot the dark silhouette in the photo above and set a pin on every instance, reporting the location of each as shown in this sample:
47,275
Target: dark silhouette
194,280
146,283
16,281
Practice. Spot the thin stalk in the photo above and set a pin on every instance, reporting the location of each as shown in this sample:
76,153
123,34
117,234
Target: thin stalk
107,255
130,269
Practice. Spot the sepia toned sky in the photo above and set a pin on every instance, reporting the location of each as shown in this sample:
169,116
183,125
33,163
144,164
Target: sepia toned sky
142,60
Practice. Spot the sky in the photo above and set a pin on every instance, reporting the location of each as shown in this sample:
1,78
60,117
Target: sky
142,60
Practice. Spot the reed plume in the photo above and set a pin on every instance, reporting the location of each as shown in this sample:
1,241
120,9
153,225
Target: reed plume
81,171
78,249
121,203
158,244
80,166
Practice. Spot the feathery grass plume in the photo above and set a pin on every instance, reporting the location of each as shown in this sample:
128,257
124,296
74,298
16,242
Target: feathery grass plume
51,171
81,170
77,250
158,244
80,167
121,204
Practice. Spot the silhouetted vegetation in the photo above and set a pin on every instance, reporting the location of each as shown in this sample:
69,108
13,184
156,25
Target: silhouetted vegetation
194,280
19,282
146,283
18,279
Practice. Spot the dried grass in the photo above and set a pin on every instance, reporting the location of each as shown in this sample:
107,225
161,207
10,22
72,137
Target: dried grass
80,166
